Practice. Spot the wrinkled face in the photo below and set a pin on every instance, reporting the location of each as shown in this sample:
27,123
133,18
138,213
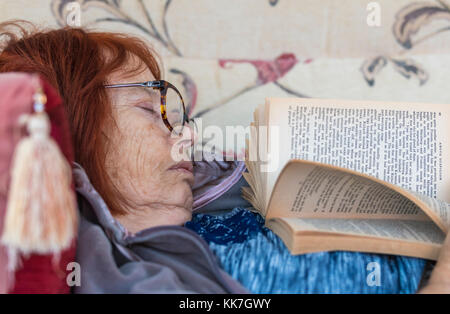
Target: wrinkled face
140,158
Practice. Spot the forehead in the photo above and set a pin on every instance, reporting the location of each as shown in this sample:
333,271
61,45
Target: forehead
132,72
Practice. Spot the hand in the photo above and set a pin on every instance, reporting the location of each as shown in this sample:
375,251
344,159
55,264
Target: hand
440,277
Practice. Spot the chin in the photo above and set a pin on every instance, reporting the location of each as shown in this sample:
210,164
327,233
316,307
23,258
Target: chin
183,192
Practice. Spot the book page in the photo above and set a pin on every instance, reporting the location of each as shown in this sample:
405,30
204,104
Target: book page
308,189
256,155
440,210
406,144
416,231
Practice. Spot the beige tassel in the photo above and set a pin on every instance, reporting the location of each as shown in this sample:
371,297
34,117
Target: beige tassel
41,214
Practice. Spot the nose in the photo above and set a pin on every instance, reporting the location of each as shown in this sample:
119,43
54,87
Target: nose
184,143
192,128
188,136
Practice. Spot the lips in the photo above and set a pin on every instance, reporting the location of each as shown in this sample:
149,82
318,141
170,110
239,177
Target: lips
184,166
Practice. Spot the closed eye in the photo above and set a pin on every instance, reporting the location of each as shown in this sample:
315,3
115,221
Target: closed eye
151,110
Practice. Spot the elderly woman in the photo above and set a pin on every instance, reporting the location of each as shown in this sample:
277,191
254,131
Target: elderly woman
135,196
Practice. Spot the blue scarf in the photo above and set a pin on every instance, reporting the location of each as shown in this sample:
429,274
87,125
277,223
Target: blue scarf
256,257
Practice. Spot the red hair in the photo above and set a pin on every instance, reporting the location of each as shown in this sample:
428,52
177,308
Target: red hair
77,63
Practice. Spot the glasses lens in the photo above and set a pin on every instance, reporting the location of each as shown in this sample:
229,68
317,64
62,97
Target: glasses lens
174,110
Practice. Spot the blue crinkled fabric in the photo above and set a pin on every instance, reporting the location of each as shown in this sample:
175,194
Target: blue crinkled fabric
256,257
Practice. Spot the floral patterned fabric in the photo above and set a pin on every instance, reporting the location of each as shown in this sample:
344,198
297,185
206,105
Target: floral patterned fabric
226,56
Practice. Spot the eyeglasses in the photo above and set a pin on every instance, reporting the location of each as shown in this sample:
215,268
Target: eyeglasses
173,112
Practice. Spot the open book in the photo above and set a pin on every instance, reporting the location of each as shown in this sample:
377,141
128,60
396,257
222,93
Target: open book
351,175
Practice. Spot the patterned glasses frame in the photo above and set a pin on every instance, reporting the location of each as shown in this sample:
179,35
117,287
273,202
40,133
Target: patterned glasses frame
163,87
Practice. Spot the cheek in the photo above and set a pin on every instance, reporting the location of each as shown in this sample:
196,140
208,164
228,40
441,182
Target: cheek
148,153
152,181
141,156
138,151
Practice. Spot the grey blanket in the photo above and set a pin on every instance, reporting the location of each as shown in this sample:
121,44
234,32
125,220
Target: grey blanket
165,259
